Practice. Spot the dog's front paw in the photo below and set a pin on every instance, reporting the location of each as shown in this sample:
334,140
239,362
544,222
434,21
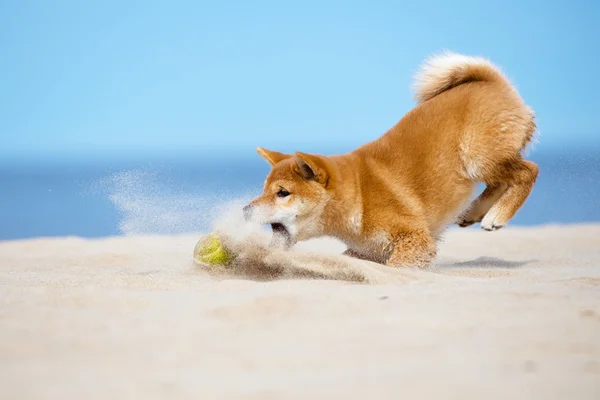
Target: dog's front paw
354,254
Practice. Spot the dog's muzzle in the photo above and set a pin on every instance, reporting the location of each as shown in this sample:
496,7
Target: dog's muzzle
281,235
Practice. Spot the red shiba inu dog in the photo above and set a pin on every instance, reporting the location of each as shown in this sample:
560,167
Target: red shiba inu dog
389,200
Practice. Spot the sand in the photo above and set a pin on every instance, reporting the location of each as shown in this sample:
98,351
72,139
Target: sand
508,314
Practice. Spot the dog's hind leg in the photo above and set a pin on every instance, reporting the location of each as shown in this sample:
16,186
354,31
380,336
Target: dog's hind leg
482,204
491,154
520,176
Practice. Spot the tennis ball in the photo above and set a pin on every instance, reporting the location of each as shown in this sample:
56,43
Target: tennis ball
210,250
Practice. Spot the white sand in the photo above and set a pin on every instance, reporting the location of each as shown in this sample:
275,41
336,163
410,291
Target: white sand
511,314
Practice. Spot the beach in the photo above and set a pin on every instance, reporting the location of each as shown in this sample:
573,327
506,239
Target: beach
507,314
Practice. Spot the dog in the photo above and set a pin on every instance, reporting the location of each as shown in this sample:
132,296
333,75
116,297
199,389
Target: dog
390,200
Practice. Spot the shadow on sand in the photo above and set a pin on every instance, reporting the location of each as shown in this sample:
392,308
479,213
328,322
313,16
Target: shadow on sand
486,262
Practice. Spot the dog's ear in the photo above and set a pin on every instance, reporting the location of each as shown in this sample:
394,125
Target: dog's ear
312,167
272,157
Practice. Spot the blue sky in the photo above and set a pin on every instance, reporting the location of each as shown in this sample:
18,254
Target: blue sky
137,78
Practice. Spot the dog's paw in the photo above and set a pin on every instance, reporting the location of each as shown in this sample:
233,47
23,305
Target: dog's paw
490,222
463,223
354,254
491,228
467,219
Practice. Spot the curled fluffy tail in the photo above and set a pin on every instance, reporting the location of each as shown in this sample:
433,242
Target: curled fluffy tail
445,71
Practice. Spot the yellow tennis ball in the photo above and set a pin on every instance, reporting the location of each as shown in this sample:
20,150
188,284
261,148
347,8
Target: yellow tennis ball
210,250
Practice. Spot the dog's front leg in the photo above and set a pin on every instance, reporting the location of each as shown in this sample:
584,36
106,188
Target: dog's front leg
412,248
354,254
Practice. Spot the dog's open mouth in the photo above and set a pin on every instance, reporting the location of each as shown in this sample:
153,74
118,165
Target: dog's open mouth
281,236
279,228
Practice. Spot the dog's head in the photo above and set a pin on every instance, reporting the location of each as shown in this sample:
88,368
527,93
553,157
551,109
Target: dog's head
294,196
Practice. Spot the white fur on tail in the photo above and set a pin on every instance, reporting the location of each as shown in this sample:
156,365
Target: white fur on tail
447,70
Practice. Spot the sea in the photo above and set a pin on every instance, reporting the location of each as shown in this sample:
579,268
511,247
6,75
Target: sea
171,196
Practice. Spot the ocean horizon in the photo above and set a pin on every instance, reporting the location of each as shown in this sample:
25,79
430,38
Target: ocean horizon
108,197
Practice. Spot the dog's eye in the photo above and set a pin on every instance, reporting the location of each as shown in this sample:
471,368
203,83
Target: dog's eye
283,193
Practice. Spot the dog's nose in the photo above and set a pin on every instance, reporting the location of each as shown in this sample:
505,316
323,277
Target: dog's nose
247,212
